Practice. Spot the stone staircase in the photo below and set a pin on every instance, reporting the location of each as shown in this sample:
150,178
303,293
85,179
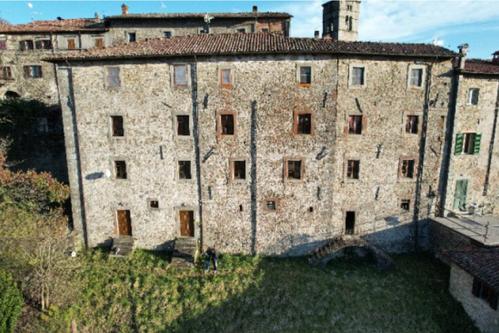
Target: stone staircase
122,246
325,253
184,252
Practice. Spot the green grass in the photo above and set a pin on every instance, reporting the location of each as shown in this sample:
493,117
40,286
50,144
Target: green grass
252,294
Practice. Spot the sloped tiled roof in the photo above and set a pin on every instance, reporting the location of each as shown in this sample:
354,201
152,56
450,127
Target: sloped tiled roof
482,263
63,25
477,66
252,44
200,15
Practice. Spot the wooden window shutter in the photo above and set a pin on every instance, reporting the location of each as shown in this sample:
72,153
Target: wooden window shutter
476,144
458,149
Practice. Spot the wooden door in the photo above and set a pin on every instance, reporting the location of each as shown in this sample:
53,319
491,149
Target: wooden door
71,44
460,194
186,223
124,223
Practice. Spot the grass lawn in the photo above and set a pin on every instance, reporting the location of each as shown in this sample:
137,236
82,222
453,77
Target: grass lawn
253,294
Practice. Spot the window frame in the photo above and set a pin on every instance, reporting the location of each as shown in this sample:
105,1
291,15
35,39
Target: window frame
362,124
43,44
296,122
73,39
347,167
149,204
220,133
232,165
176,127
190,170
29,42
299,75
229,85
96,44
401,176
107,75
115,169
470,99
405,201
406,124
174,81
286,169
409,76
129,34
276,201
111,119
167,31
6,69
350,76
28,75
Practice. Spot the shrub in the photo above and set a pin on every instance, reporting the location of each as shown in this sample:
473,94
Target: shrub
11,303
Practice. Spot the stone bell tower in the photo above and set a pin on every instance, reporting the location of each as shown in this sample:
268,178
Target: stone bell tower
340,19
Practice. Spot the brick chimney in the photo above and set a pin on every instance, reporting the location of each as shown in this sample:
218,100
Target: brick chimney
463,52
255,9
124,9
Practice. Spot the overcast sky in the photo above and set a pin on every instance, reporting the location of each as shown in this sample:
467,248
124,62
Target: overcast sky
445,22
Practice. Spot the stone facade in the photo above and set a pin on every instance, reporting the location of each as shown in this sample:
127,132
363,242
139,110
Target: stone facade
460,286
265,98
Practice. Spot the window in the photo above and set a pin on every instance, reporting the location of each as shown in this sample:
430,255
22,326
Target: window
99,42
43,44
26,45
353,169
355,125
239,170
113,77
154,204
183,125
241,30
167,34
407,168
405,204
305,75
3,44
416,77
294,169
349,23
412,124
271,205
132,37
5,73
71,43
227,124
349,8
349,223
467,143
358,76
117,125
225,78
303,123
120,169
184,170
34,71
180,75
473,94
482,290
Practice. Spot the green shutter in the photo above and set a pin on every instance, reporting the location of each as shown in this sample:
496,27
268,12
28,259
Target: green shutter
458,149
476,144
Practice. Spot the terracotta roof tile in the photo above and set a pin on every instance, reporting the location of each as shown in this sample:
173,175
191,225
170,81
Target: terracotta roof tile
64,25
477,66
482,263
252,43
199,15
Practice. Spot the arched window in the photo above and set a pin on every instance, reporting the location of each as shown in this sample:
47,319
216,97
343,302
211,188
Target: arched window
11,94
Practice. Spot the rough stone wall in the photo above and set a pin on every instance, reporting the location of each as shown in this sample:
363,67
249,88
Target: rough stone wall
478,119
310,210
485,318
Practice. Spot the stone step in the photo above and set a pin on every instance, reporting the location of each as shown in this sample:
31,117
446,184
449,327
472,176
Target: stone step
122,246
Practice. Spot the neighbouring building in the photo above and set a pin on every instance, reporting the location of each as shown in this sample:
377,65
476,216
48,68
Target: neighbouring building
254,142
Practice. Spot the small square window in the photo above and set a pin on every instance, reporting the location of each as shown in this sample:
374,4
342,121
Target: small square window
154,204
120,168
225,78
184,170
473,95
132,37
412,124
5,73
294,169
227,124
183,128
405,204
239,169
180,75
353,169
113,77
355,125
271,205
305,75
407,168
416,77
34,71
167,34
26,45
303,123
358,78
43,44
117,125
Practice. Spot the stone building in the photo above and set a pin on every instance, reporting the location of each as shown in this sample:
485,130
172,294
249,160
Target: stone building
254,142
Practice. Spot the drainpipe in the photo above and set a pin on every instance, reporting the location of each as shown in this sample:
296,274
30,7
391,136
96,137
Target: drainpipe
195,130
422,151
449,133
491,145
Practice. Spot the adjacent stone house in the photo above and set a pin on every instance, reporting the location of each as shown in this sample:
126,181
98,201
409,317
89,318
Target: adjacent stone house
254,143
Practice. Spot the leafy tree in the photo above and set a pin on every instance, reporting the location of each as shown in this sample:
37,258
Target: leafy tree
11,302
